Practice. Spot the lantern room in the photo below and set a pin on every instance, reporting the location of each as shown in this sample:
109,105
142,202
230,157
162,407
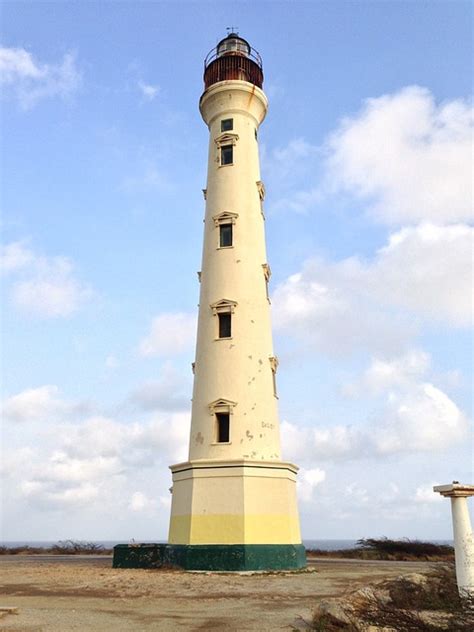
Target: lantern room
233,59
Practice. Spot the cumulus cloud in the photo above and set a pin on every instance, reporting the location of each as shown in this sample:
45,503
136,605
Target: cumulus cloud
384,374
308,480
47,493
139,501
170,334
39,404
424,494
14,256
54,292
136,444
29,81
95,459
43,286
408,156
414,417
423,273
405,156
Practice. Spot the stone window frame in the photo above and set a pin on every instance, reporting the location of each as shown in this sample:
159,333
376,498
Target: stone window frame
261,195
224,306
274,367
226,217
267,273
225,140
225,406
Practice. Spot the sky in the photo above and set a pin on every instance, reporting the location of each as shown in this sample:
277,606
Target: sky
367,161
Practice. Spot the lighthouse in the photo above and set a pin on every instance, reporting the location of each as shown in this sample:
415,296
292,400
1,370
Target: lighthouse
234,501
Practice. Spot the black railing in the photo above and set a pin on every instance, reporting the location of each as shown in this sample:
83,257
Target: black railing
215,54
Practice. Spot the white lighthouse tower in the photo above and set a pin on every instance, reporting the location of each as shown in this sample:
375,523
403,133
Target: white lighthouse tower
234,501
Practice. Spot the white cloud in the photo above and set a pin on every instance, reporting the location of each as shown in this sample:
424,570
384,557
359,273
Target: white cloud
47,286
39,404
96,461
53,293
14,256
29,80
424,494
307,482
139,501
170,334
383,374
423,273
428,269
409,157
136,444
425,419
414,417
405,157
148,90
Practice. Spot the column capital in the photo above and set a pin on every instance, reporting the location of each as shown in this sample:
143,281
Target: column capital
455,490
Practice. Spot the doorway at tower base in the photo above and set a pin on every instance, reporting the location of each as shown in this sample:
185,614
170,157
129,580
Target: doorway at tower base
211,557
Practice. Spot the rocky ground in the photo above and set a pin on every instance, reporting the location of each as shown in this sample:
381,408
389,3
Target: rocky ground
84,593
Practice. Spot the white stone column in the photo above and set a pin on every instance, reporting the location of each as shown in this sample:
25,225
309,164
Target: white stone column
463,536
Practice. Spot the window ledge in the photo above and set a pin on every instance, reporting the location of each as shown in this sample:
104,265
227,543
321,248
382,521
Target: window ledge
224,247
221,442
226,338
231,164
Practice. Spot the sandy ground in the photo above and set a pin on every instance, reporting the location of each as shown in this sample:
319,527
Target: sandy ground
62,594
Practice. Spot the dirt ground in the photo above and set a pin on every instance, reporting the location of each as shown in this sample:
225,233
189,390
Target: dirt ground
76,593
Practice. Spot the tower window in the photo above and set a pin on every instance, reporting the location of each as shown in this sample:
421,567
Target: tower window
227,125
227,154
223,427
225,235
225,325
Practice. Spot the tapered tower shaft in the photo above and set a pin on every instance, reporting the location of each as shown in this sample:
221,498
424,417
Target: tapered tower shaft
235,364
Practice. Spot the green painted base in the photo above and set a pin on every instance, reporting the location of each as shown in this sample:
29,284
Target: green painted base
211,557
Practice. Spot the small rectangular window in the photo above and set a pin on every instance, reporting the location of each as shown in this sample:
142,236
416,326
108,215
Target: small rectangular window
227,154
225,235
223,427
225,325
227,125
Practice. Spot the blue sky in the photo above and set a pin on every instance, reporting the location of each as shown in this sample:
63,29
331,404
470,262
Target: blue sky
365,154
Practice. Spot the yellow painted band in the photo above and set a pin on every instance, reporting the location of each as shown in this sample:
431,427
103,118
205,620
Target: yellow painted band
235,529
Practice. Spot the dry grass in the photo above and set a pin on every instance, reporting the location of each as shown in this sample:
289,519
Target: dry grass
391,550
404,605
65,547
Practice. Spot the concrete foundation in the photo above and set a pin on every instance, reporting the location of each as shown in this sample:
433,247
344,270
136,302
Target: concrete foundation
212,557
